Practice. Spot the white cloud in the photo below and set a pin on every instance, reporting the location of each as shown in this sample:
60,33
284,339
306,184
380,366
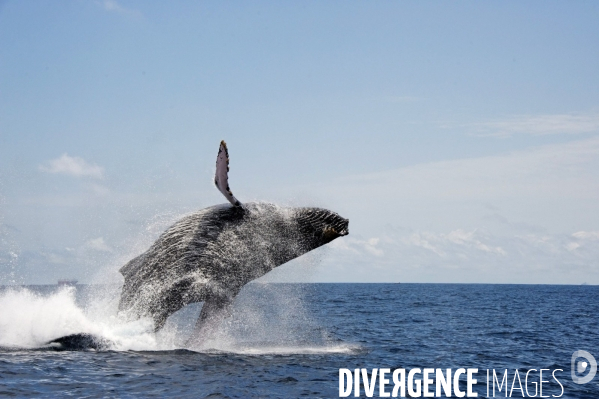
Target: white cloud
447,247
454,243
538,125
73,166
97,244
114,6
465,256
540,175
358,246
586,235
468,239
528,216
572,246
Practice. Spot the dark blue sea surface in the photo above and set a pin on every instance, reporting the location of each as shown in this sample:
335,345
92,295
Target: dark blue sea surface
290,340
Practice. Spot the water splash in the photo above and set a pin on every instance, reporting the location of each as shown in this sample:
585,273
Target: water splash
266,319
30,319
273,319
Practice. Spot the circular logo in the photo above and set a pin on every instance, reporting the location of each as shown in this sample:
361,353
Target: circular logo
579,367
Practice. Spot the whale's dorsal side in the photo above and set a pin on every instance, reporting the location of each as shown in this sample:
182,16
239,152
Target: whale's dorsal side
221,177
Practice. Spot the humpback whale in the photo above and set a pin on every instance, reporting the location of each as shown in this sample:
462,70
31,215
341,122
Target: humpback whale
209,255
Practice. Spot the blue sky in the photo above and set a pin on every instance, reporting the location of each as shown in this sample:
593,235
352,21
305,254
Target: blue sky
461,139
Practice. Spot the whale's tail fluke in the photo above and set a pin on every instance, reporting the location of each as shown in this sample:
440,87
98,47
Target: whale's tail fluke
221,177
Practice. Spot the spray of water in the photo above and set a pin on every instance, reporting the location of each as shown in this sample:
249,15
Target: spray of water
266,318
30,319
273,319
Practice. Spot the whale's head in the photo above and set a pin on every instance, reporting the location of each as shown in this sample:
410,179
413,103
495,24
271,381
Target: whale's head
320,226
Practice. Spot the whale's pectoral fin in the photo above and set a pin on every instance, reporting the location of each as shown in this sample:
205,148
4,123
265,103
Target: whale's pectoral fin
221,177
213,312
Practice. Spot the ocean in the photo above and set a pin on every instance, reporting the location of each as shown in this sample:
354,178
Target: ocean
290,340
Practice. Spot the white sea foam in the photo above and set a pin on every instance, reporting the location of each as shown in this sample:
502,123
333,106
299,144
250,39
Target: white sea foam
267,320
30,320
288,350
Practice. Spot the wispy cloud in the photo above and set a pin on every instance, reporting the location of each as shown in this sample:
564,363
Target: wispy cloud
72,166
97,244
114,6
457,245
517,217
465,256
538,125
586,235
569,170
454,239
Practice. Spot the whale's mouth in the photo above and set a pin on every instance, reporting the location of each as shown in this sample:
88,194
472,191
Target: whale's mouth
341,231
322,223
338,227
341,226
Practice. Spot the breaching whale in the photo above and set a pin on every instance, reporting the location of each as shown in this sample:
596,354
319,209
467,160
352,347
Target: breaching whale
209,255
